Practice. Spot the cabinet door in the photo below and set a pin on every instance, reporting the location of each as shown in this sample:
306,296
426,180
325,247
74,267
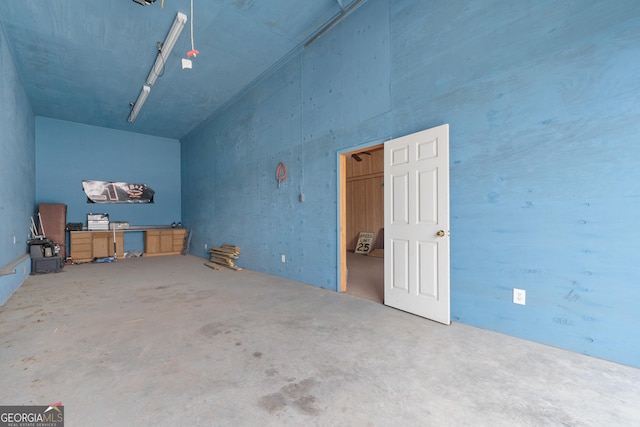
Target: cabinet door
166,241
101,245
152,242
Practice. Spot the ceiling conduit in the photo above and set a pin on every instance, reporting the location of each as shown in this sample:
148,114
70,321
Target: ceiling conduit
339,17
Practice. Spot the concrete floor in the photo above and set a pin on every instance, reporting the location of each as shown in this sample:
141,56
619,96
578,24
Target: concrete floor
168,342
365,277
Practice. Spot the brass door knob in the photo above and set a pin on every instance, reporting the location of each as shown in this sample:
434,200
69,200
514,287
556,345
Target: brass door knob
440,233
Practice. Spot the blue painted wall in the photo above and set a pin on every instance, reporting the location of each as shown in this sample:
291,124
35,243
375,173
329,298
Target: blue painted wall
542,101
300,115
17,171
67,153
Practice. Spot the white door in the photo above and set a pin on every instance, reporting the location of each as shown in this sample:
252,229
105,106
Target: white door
416,212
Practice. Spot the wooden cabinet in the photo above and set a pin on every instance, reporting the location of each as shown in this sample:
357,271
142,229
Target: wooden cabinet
81,249
163,242
88,245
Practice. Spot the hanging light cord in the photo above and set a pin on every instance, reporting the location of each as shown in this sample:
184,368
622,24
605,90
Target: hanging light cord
281,173
192,48
193,52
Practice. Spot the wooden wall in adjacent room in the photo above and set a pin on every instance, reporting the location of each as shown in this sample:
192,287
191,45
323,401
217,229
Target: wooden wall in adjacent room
365,197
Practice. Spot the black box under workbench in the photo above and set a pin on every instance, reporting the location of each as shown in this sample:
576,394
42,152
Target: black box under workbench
52,264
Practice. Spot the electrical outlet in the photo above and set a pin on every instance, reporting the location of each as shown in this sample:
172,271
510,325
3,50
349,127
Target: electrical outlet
519,296
283,258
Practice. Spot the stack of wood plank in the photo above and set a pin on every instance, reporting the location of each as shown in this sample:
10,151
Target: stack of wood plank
224,256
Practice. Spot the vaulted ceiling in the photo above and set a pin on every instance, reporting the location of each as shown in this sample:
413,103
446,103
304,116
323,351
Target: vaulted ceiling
86,60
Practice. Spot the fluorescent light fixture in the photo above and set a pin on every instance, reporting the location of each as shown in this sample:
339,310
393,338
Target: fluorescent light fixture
165,50
144,93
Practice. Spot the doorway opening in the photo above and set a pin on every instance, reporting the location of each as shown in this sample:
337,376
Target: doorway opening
362,210
414,219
